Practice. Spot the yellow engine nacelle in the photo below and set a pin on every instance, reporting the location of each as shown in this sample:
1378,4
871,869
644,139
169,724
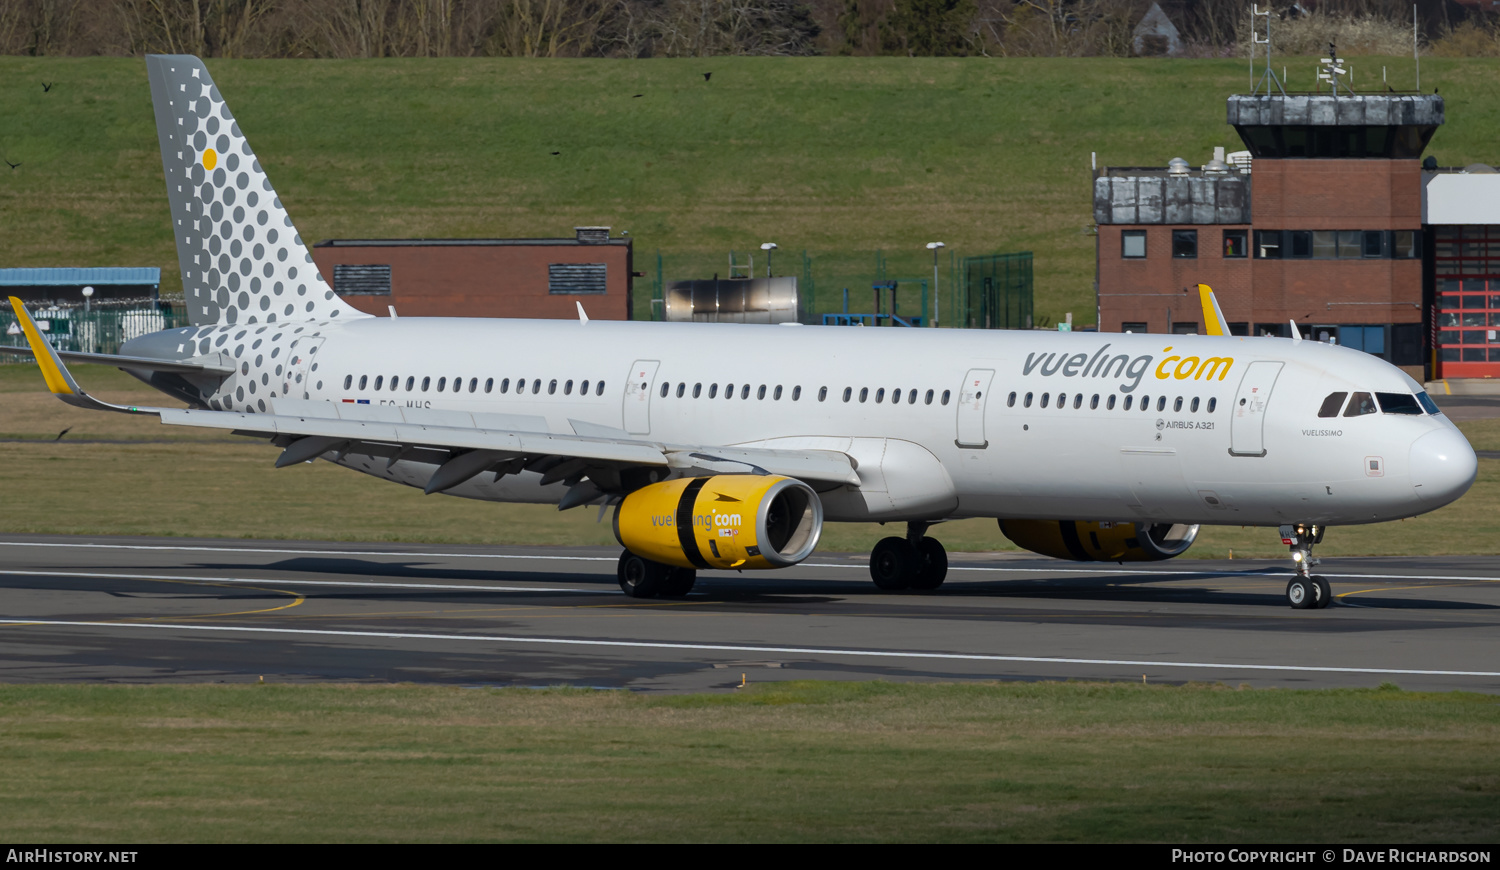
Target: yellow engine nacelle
725,521
1085,541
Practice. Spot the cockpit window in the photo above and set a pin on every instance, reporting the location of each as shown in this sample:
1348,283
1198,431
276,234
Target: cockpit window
1360,404
1399,403
1427,403
1332,404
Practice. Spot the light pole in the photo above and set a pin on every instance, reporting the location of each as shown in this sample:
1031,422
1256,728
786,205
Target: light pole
88,294
933,247
768,247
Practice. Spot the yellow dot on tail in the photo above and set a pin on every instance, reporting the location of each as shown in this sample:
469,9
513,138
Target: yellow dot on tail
210,159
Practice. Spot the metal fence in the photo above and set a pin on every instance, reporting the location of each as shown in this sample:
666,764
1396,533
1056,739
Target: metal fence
996,291
94,331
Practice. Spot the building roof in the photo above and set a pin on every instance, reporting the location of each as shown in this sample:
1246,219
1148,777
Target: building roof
71,276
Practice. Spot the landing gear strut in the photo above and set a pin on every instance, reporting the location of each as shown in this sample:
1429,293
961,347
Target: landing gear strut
1305,591
912,562
643,578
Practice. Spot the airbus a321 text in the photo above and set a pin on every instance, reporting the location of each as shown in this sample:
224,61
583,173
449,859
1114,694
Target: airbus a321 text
724,446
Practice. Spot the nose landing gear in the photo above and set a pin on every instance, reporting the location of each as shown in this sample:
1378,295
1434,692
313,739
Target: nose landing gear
912,562
1305,591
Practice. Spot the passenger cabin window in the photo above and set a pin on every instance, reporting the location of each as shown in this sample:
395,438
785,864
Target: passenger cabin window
848,391
599,389
1128,400
796,393
348,380
567,388
929,397
822,393
1046,397
1177,405
1212,403
489,385
1109,405
776,394
1026,403
1399,403
665,388
697,390
713,391
864,393
946,393
505,385
745,391
880,395
1360,404
1332,404
426,382
1010,401
761,392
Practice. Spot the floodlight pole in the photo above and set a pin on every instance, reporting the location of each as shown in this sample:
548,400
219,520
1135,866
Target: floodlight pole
933,247
768,247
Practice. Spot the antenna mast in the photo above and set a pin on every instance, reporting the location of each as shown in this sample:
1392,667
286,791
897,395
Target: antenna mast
1269,77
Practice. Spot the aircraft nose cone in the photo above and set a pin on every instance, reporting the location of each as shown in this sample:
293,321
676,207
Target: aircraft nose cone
1443,466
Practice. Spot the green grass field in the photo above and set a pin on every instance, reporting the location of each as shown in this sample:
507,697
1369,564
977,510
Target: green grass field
780,762
203,483
837,156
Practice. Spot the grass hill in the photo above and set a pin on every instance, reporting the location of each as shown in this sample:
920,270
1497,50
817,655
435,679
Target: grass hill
837,156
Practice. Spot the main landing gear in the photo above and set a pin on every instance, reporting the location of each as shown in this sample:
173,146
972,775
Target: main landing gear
1305,591
643,578
912,562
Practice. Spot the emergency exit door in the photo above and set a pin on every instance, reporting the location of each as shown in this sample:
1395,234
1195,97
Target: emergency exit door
638,396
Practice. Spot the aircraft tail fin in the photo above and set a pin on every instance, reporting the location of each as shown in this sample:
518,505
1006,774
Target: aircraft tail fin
242,259
1213,315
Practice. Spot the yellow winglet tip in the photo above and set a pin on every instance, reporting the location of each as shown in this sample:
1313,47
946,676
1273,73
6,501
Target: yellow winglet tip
1213,318
57,378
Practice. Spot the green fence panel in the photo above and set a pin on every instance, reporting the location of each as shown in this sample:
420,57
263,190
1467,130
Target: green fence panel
997,291
95,331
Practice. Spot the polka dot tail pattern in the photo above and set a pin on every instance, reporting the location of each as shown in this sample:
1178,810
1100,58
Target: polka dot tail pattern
242,259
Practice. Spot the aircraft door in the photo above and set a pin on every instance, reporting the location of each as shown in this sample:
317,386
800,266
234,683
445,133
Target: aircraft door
971,399
1247,425
299,379
638,396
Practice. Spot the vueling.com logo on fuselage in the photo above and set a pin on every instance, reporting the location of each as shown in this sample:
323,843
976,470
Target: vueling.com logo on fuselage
1129,370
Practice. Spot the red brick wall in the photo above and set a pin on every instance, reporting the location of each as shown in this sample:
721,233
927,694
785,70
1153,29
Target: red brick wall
1336,194
1143,290
484,280
1285,195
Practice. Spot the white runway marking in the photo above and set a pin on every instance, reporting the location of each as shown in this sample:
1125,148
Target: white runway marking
1254,572
707,647
264,580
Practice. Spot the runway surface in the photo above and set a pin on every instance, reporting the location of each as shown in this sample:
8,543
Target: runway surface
189,610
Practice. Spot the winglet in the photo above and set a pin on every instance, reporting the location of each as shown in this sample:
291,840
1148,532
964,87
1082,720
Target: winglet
1213,315
1296,332
583,316
59,381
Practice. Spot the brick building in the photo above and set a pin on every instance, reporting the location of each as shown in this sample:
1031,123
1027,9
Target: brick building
1322,223
540,278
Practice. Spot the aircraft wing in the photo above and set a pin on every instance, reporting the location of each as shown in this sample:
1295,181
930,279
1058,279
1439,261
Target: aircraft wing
593,462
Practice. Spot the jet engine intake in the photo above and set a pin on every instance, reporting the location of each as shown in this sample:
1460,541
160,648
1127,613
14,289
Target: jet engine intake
725,521
1090,541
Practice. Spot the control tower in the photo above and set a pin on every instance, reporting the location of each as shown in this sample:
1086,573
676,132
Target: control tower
1318,220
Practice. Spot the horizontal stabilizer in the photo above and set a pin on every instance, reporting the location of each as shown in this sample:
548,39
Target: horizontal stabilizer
140,363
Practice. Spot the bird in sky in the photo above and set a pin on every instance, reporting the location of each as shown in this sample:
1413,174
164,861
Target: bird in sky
62,433
11,165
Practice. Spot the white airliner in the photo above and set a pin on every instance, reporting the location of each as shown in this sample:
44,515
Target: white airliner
728,446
